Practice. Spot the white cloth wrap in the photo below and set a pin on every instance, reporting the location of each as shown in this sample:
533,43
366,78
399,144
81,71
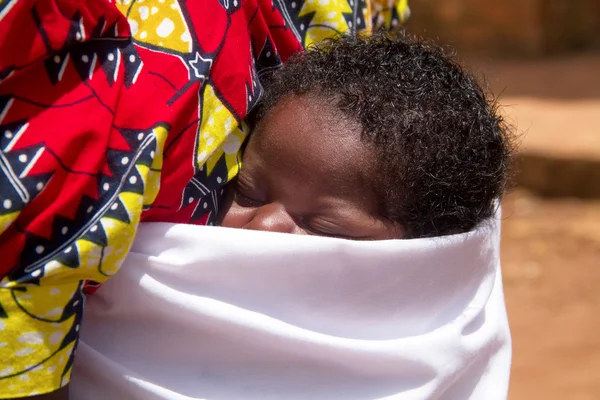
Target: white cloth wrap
221,314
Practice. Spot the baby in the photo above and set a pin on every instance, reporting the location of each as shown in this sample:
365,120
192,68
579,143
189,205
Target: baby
362,139
370,139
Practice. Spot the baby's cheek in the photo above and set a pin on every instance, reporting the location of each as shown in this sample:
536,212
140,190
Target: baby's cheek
232,215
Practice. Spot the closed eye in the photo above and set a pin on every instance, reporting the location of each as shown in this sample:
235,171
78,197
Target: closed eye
311,229
245,200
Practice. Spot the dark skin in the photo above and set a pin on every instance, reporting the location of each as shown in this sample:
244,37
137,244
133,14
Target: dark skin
305,171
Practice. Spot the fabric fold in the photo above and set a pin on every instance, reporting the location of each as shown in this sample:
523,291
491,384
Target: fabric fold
214,313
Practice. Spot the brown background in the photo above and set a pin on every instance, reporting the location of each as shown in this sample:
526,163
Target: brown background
514,28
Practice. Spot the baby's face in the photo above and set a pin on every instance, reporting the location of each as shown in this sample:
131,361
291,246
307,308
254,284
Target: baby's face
305,171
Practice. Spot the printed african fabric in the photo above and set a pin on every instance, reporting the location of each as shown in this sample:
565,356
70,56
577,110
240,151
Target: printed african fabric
116,112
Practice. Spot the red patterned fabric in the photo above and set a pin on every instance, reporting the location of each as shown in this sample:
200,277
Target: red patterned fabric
112,113
74,90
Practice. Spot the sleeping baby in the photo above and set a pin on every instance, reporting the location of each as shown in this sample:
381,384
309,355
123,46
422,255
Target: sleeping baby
364,139
368,139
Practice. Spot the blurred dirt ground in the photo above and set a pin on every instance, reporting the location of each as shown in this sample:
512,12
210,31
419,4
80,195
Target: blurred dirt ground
551,267
551,245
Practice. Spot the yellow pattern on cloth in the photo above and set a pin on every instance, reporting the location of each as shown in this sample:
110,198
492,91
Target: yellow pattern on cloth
218,135
38,330
328,19
36,337
389,14
158,23
31,338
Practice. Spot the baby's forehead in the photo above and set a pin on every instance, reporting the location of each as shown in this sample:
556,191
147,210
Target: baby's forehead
308,136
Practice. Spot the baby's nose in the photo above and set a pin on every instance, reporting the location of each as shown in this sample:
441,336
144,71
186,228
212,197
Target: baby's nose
271,217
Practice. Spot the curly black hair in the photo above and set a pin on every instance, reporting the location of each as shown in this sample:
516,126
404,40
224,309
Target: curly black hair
442,148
